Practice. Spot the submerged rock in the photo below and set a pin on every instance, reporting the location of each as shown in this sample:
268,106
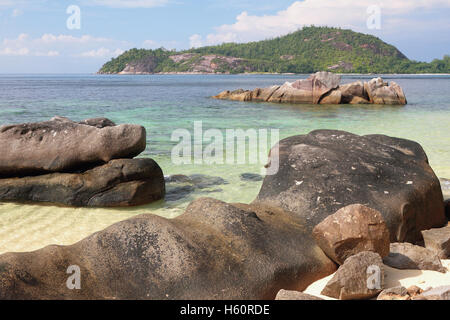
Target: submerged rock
62,145
326,170
119,183
323,88
406,256
181,186
351,230
214,250
251,177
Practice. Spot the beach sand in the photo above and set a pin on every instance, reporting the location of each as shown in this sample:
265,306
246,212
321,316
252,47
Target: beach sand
424,279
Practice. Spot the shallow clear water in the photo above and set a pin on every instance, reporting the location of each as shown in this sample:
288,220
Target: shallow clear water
163,103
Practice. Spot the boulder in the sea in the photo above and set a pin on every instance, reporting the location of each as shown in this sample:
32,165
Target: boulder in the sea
295,295
353,280
323,88
61,145
351,230
438,241
406,256
215,250
309,91
352,91
380,92
332,97
326,170
122,182
300,91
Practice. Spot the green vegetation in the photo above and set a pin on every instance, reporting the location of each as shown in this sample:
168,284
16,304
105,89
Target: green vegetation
305,51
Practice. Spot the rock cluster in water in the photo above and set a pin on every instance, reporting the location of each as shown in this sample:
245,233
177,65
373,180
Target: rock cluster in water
87,163
218,250
323,88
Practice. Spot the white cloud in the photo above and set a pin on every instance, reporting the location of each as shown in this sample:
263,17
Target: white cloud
14,52
128,3
50,45
101,53
151,44
16,13
338,13
195,41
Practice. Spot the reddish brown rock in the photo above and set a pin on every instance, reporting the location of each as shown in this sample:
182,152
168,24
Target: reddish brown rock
351,230
438,241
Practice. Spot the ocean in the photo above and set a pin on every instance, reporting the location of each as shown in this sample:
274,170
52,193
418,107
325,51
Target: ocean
164,103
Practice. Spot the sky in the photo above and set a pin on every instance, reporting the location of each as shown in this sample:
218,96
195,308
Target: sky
78,36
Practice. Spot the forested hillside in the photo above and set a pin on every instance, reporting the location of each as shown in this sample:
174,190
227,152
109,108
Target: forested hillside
305,51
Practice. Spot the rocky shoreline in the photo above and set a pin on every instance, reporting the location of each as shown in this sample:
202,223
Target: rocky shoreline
339,204
323,88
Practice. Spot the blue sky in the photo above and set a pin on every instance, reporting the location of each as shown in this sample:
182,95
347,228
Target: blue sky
34,37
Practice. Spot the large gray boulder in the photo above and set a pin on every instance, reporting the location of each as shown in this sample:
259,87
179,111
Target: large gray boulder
351,230
326,170
62,145
214,250
123,182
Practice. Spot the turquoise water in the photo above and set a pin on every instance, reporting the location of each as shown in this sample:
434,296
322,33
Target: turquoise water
163,103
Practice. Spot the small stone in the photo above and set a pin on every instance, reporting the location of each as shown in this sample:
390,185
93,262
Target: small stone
438,293
438,241
295,295
397,293
414,291
353,280
406,256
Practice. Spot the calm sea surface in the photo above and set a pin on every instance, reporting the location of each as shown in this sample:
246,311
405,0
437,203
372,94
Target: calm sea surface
163,103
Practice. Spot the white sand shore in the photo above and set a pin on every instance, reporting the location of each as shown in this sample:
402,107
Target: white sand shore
395,278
